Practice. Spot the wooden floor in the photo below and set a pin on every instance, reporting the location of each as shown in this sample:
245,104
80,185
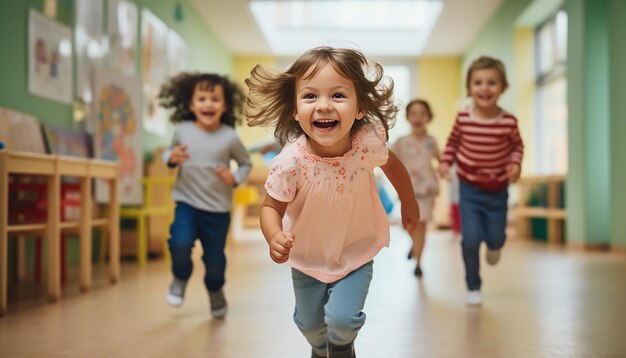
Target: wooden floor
539,301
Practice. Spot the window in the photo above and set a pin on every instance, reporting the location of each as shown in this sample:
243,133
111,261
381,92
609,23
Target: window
551,112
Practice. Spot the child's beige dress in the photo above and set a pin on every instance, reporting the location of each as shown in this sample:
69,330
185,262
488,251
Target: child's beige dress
417,154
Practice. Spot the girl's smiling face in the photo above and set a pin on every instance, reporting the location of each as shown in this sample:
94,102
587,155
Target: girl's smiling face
326,108
418,116
208,105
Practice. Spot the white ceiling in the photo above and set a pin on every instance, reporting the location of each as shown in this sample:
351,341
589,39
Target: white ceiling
459,23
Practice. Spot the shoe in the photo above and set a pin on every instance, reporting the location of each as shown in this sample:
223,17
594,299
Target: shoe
473,298
493,256
410,254
341,351
219,307
418,271
314,354
176,294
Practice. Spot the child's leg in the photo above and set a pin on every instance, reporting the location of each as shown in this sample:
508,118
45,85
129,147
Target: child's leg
472,231
311,296
213,229
496,213
419,237
183,233
344,314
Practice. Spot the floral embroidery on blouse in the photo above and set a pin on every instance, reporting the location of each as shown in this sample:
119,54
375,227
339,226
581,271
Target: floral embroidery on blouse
296,164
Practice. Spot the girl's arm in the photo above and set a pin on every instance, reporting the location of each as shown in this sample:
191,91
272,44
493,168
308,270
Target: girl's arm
399,178
279,241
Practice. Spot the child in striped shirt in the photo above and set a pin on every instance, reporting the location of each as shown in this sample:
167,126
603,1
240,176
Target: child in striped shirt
486,145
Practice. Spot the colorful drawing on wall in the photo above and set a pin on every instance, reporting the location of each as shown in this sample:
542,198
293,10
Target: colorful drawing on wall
117,132
176,54
122,31
154,57
90,48
49,58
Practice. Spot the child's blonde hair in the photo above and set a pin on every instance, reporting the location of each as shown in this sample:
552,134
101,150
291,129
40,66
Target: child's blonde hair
486,62
271,98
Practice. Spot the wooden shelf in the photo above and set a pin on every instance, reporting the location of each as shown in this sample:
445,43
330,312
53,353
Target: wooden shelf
53,167
552,212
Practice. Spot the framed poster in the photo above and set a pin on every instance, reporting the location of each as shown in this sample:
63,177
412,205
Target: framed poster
89,42
123,32
153,39
21,132
176,54
117,132
49,58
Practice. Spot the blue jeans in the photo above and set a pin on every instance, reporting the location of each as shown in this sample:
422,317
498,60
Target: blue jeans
331,311
483,218
211,228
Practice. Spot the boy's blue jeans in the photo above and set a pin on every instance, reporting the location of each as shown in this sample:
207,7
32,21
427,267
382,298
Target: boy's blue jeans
211,229
331,311
483,218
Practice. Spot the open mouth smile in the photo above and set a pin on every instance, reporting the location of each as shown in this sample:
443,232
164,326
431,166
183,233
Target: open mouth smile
325,124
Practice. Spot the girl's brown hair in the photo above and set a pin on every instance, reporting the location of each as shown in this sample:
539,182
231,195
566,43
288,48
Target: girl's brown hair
178,92
423,103
271,98
486,62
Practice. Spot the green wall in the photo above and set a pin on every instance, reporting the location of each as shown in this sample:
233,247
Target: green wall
595,191
206,53
497,39
617,88
596,54
14,64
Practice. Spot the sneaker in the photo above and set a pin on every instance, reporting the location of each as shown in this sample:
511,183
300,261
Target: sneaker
493,256
473,298
343,351
219,307
418,271
176,294
314,354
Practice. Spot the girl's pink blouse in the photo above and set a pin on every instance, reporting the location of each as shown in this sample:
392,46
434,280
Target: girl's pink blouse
334,209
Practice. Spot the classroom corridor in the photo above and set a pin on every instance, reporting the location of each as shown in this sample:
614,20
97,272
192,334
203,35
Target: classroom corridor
541,301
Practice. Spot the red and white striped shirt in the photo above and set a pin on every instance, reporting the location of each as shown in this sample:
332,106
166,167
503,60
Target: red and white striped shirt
483,149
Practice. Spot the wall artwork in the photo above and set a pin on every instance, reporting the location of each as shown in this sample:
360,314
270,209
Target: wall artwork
176,54
123,18
117,132
90,48
49,58
154,35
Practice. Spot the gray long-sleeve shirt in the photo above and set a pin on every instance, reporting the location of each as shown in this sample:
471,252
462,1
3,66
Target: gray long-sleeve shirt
197,184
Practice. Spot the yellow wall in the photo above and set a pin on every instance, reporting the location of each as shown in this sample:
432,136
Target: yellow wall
524,88
438,83
253,135
242,68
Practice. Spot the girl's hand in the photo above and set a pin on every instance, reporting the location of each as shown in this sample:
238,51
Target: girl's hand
410,212
179,154
225,175
280,244
444,171
513,172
